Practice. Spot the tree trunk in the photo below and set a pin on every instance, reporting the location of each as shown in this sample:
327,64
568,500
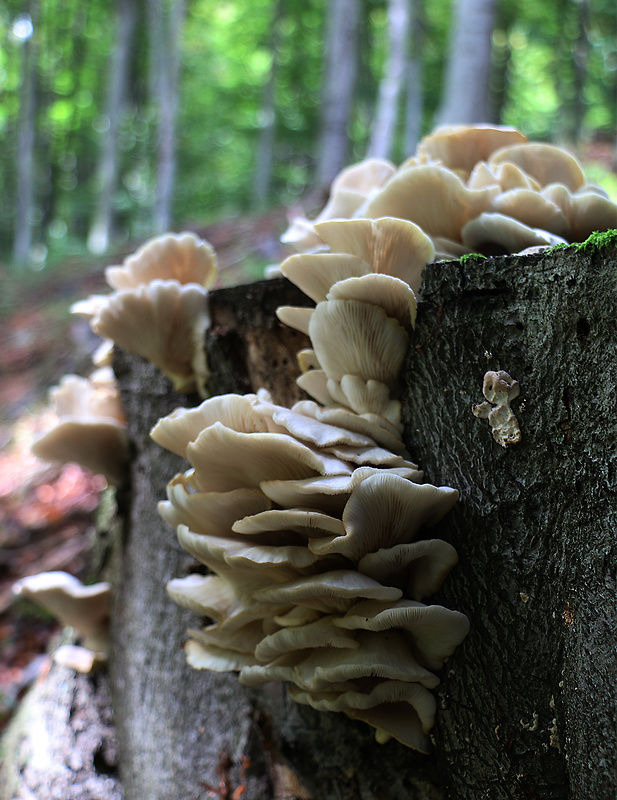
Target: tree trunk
414,90
264,160
526,706
108,169
386,113
24,179
165,24
339,82
466,85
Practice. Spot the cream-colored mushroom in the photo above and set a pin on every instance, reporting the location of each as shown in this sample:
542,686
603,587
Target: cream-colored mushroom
84,608
182,257
547,163
497,234
460,147
432,197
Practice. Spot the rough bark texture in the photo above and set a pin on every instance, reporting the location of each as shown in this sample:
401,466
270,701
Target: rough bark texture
527,706
528,701
62,744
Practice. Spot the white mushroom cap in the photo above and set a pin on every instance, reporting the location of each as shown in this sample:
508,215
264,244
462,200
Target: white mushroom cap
392,294
385,510
90,398
532,209
317,634
182,257
419,568
295,317
432,197
547,163
327,493
209,512
315,274
396,709
370,344
491,231
333,591
85,608
216,659
389,245
436,631
303,521
164,322
101,446
460,147
178,429
226,460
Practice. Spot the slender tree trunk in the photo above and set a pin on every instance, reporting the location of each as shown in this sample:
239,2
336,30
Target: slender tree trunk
165,70
264,160
383,130
24,199
338,88
466,85
414,90
101,227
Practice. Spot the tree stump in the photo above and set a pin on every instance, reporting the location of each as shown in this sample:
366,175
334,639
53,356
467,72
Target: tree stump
527,704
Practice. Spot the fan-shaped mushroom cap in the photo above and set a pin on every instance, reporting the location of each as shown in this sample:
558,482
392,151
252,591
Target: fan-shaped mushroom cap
532,209
388,656
85,608
493,233
586,210
209,512
315,383
436,631
100,445
238,552
432,197
385,510
314,274
396,709
389,245
295,317
328,493
460,147
226,460
330,592
244,640
175,431
544,162
373,426
229,603
88,398
304,521
448,250
216,659
182,257
392,294
317,634
165,322
419,568
349,190
90,307
370,344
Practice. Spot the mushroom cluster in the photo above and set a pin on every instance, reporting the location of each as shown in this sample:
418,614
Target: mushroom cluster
309,518
479,188
159,309
89,427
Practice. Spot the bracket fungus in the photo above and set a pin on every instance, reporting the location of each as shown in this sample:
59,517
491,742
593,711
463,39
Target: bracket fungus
84,608
307,515
159,309
89,427
500,389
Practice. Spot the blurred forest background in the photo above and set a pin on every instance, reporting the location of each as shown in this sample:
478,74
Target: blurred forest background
123,119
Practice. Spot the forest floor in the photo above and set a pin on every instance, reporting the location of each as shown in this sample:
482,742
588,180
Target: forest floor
47,512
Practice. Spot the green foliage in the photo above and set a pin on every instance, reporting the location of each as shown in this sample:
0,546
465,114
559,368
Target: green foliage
230,49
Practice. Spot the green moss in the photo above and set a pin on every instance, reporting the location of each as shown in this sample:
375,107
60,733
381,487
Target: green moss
556,247
470,257
599,240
